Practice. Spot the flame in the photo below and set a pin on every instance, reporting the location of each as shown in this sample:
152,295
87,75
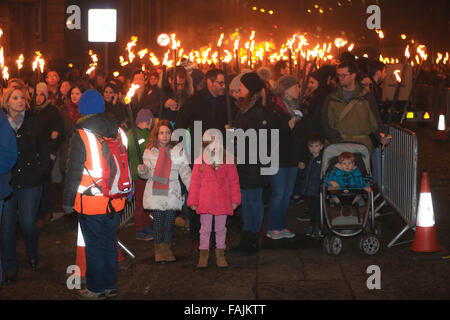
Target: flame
421,51
228,56
20,62
397,75
93,65
339,42
219,43
175,44
5,73
142,53
2,58
38,61
1,32
439,58
122,61
403,36
131,93
236,44
350,47
116,74
380,33
130,45
153,59
407,54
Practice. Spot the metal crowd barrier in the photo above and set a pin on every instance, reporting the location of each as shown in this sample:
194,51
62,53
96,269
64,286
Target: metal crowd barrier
397,176
125,217
127,214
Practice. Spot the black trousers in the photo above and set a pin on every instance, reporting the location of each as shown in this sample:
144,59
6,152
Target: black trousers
313,203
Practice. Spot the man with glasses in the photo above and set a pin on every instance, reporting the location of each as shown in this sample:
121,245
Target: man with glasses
350,113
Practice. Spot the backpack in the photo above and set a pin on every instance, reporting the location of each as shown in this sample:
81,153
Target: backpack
116,181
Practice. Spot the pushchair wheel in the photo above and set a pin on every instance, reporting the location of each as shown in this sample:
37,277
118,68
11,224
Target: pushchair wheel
332,245
369,244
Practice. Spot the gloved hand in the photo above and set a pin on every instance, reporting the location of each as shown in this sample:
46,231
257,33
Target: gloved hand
67,209
130,195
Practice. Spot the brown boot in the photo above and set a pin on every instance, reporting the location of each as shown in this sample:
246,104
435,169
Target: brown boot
158,253
167,252
220,258
203,259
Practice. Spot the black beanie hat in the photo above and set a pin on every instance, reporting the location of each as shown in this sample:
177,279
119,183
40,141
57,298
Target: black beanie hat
252,82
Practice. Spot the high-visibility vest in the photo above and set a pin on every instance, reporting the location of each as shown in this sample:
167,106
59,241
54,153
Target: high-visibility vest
96,203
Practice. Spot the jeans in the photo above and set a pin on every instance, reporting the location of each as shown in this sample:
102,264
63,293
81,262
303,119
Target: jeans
27,200
282,188
99,233
45,206
252,209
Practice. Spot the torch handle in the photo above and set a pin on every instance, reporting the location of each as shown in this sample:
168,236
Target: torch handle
302,95
133,130
227,94
161,96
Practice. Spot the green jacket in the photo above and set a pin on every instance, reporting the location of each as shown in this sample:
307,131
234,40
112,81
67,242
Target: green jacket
358,124
142,136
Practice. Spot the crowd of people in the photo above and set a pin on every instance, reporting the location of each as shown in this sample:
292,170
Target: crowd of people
55,126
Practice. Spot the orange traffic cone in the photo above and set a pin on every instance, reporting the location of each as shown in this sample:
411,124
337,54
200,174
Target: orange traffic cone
425,239
440,134
80,260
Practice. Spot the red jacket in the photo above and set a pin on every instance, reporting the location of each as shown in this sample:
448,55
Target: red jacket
214,191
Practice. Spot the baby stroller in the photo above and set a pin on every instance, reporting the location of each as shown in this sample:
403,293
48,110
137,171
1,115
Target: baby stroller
355,214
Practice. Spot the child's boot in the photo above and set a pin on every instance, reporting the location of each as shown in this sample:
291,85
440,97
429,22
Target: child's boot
203,259
167,252
220,258
158,253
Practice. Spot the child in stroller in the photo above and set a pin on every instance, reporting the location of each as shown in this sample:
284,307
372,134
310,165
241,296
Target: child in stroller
346,176
347,197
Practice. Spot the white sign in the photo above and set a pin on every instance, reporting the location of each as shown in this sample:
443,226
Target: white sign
102,25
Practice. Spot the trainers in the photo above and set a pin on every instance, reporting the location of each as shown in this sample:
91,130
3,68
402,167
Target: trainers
304,217
274,234
111,294
310,232
286,233
86,294
142,235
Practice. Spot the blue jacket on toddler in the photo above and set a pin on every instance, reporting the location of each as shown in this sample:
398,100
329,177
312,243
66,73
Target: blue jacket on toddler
346,180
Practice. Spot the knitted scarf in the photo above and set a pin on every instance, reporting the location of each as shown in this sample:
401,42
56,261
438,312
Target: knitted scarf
162,172
17,121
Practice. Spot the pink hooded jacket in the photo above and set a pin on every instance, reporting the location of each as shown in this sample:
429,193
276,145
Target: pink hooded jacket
214,191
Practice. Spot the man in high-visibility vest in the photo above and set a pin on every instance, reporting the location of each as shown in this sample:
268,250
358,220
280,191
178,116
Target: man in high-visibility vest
82,196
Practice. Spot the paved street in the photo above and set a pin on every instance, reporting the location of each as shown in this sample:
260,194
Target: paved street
288,269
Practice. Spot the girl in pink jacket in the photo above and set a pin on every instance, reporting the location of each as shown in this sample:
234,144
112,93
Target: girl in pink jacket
214,192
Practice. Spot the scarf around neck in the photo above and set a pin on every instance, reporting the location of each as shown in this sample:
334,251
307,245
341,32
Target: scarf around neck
17,121
162,173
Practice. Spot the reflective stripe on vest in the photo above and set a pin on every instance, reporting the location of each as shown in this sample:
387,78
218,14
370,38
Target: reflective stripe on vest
96,203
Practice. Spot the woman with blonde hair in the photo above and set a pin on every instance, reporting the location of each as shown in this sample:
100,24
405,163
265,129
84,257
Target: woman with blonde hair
26,182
